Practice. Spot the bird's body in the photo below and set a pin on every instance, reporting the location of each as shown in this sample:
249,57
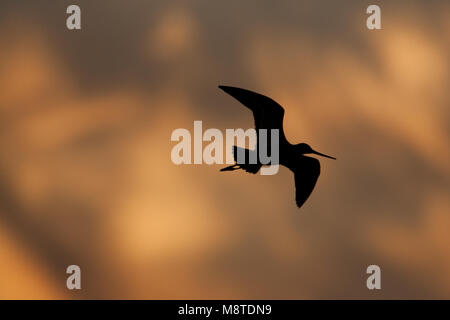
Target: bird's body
268,114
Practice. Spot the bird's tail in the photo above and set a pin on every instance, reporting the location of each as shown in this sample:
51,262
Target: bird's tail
248,167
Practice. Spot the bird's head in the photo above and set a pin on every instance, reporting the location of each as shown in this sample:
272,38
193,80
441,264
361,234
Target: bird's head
304,148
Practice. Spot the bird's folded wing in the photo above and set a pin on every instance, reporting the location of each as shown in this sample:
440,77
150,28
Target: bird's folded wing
306,172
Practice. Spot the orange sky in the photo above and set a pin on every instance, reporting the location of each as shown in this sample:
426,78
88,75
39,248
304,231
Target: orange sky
85,124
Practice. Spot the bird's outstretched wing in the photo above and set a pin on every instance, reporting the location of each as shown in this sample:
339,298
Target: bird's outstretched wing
306,172
268,114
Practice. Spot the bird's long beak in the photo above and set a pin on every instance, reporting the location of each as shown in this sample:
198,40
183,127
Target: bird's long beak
323,155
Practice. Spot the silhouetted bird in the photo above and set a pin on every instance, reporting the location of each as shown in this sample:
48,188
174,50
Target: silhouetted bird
268,114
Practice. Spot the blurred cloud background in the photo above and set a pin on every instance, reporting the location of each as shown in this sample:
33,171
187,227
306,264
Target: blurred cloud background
86,177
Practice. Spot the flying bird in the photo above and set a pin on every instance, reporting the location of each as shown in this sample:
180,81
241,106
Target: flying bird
268,114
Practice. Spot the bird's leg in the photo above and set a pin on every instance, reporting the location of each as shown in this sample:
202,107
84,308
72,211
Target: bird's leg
231,168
